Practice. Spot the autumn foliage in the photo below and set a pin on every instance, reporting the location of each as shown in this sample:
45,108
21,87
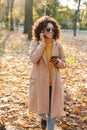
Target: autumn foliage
15,69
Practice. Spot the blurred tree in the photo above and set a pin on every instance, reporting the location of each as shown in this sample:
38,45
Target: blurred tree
63,14
7,9
8,13
2,8
11,15
76,16
83,18
46,7
18,11
17,23
41,7
28,18
2,1
64,17
83,15
55,6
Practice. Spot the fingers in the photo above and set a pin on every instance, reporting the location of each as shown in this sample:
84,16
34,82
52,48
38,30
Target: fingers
41,36
54,61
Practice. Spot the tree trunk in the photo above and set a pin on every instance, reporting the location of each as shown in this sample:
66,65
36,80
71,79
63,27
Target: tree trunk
76,17
11,15
28,18
6,14
75,23
26,22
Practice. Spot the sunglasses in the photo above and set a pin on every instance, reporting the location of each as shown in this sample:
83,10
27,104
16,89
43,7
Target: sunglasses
50,29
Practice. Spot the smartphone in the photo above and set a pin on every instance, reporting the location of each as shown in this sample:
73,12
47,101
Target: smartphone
55,57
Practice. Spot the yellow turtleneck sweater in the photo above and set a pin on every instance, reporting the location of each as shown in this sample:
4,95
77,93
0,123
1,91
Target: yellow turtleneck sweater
48,51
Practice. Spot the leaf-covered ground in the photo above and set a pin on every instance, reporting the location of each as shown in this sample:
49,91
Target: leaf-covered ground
15,69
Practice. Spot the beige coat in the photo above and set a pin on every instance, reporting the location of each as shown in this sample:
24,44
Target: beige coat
39,80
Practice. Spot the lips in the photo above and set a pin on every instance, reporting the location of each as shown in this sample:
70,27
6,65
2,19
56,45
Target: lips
50,34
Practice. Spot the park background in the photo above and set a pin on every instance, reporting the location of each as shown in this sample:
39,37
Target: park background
16,20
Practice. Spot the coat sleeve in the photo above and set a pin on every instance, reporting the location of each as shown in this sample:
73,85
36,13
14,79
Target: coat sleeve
62,62
36,50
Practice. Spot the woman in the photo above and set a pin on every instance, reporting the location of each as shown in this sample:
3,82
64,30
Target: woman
46,53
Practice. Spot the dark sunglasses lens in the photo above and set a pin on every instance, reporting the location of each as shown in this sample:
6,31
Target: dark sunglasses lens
50,29
53,29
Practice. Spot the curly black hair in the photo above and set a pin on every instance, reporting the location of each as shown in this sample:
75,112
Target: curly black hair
41,24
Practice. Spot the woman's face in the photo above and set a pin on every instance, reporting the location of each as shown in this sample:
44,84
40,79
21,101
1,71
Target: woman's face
49,30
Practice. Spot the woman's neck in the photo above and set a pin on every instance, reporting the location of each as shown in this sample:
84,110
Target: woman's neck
48,40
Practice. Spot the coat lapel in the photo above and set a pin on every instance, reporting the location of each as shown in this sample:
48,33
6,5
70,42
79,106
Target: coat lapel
54,49
44,57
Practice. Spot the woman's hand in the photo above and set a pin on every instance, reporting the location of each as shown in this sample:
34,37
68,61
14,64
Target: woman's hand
55,61
42,36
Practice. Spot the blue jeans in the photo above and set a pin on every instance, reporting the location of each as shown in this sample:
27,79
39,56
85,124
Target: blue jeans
51,121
